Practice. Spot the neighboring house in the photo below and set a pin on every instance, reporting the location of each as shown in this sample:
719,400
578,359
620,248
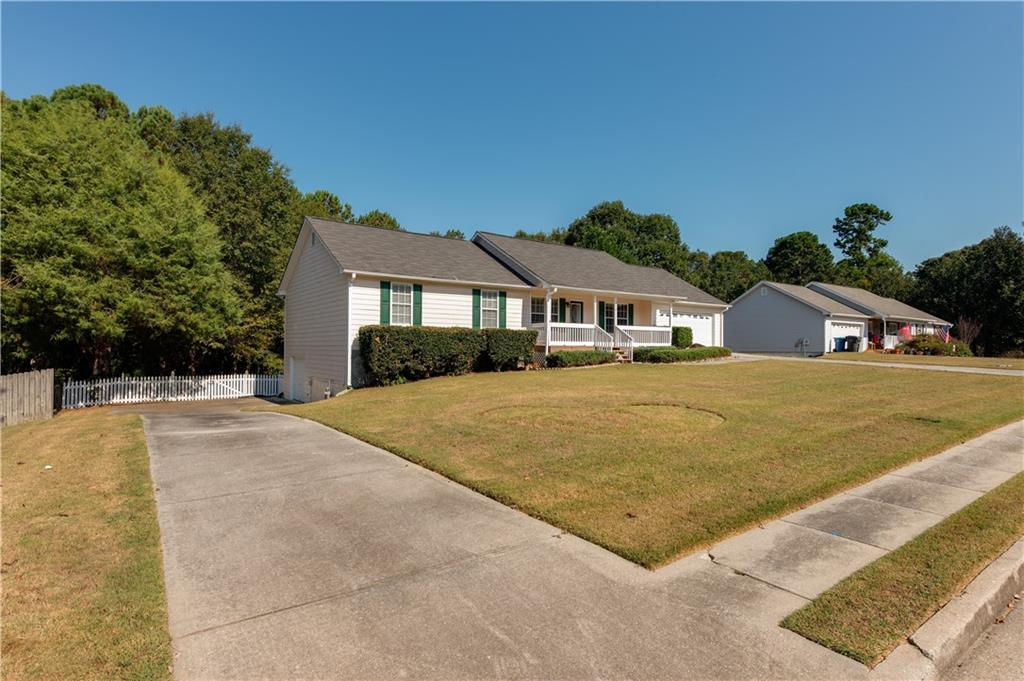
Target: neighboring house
890,320
790,319
341,277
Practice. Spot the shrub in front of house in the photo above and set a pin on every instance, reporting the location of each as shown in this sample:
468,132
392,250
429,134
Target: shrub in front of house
663,355
927,344
578,358
396,354
506,349
682,336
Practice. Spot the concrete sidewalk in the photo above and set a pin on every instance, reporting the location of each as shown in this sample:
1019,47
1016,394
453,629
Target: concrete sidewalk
809,551
294,551
890,365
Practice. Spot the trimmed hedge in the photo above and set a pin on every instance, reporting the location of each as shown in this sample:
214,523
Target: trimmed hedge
396,354
579,358
682,336
663,355
506,349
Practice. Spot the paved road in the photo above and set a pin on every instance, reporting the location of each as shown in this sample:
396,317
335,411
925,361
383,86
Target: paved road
891,365
999,654
294,551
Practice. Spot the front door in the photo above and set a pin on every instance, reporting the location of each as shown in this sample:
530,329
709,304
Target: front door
575,312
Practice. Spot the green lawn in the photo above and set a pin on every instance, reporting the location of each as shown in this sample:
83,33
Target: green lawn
652,461
876,608
980,362
83,593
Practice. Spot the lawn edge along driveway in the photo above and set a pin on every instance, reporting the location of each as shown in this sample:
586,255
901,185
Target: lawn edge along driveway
83,570
685,481
872,611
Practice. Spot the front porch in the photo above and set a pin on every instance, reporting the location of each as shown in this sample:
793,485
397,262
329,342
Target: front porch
886,334
584,320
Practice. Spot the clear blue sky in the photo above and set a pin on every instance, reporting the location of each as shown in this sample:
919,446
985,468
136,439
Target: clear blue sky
742,121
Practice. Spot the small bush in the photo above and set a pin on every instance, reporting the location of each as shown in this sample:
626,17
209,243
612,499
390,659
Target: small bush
506,349
927,344
663,355
682,336
579,358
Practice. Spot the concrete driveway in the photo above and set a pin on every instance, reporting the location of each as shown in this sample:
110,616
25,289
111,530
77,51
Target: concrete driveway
294,551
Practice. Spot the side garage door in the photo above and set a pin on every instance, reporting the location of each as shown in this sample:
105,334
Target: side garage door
843,329
700,323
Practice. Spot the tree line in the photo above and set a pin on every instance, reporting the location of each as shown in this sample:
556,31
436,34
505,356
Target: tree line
980,288
142,242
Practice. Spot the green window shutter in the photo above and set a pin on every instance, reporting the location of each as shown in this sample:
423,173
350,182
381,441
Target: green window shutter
600,315
417,305
385,302
629,314
561,310
476,308
502,304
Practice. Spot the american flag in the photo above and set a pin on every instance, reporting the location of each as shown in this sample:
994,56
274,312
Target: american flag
943,333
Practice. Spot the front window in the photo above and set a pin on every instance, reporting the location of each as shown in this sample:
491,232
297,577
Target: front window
489,309
401,304
536,310
623,317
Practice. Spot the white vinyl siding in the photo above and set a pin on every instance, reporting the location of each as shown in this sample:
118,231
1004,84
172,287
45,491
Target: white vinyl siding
443,305
774,323
315,308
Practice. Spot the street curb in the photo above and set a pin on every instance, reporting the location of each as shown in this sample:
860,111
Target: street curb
941,642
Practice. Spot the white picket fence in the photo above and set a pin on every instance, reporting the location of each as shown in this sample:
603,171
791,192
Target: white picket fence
133,389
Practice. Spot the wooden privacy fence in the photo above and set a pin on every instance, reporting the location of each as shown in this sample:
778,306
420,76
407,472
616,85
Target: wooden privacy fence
132,389
26,397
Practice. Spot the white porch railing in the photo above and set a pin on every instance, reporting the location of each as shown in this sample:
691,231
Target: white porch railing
624,341
563,334
133,389
603,340
649,335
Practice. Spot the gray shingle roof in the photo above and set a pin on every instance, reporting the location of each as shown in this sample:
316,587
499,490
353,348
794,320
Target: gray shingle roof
573,267
814,299
369,249
874,304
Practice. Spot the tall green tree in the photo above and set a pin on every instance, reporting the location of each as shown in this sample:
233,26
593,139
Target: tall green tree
647,239
555,236
322,204
109,263
379,218
855,232
799,258
983,282
449,234
730,273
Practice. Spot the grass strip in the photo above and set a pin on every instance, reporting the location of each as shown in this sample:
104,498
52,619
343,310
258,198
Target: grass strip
872,611
83,583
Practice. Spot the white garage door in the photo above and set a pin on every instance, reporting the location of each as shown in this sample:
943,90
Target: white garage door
700,323
843,329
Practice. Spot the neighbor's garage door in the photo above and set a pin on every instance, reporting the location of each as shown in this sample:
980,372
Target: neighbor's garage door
700,323
842,330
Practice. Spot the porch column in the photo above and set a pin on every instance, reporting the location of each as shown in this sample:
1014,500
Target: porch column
615,312
547,322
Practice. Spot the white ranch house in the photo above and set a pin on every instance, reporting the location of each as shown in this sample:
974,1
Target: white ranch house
341,277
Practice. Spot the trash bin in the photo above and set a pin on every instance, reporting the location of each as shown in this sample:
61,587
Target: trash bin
853,343
840,344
